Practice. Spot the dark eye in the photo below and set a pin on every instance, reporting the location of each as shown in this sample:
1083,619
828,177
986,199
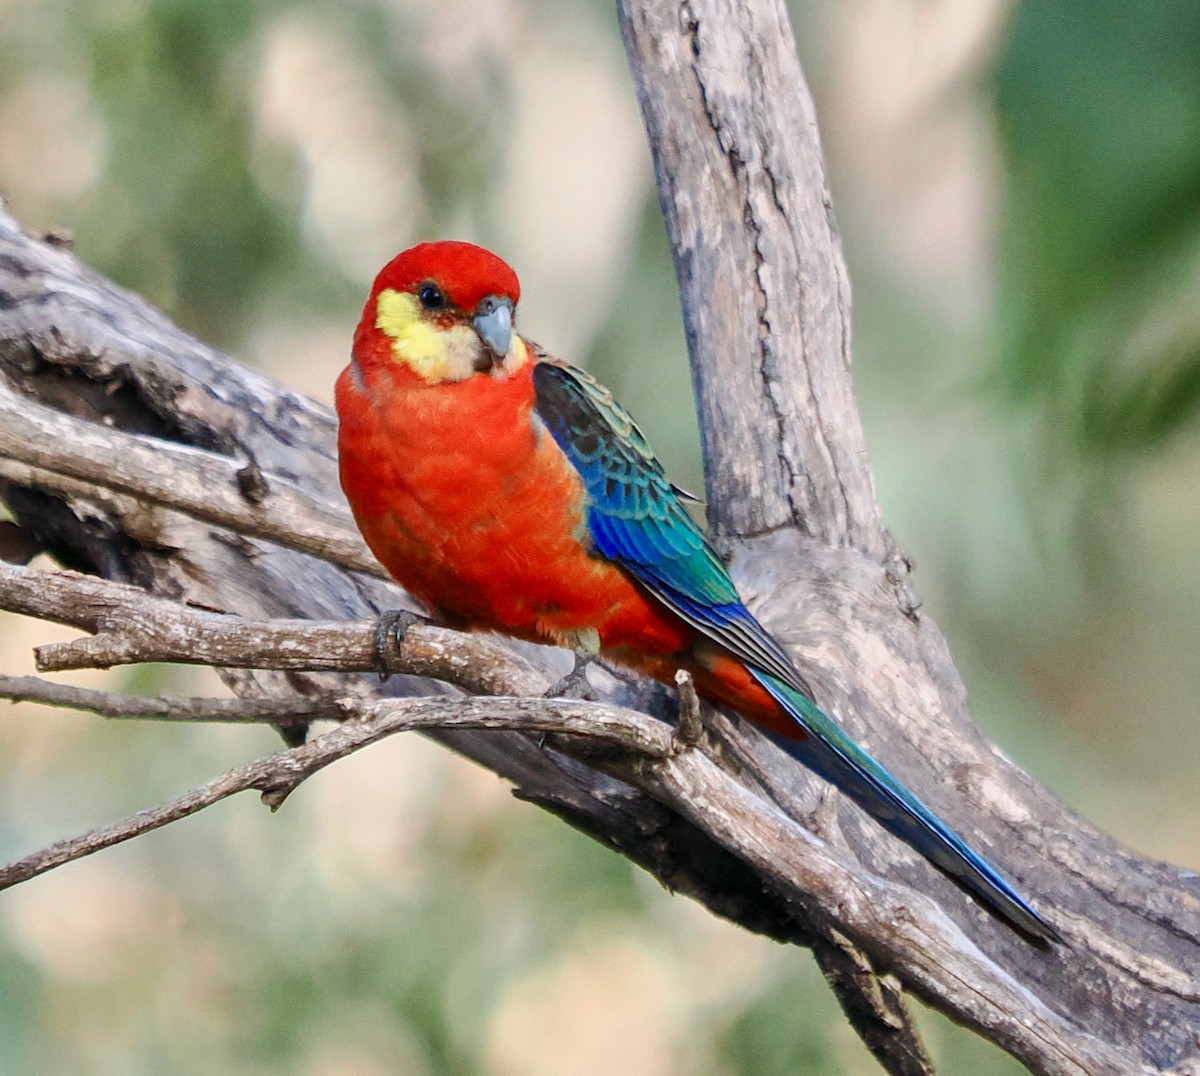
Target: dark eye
431,297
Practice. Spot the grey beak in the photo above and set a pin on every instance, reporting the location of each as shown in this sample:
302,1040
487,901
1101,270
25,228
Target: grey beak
493,323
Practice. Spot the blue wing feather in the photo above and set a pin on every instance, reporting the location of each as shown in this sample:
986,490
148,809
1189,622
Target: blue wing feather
635,518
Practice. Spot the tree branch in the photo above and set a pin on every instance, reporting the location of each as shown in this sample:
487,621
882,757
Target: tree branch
220,469
742,183
278,775
799,866
293,710
63,451
131,626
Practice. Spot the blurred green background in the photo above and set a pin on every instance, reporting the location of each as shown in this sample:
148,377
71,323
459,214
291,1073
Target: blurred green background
1019,192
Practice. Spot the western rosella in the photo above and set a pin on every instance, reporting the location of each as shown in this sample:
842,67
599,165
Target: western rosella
510,492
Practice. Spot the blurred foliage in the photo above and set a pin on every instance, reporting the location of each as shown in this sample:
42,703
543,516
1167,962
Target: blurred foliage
248,166
193,206
1099,113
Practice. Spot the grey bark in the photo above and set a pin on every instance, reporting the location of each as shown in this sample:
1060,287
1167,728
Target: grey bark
767,313
766,304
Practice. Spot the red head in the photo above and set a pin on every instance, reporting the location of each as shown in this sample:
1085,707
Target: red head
466,273
445,310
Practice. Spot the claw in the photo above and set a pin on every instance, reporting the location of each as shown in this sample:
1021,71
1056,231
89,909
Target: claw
575,684
392,624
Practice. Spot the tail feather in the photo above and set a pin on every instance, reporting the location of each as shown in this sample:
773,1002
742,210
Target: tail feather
829,752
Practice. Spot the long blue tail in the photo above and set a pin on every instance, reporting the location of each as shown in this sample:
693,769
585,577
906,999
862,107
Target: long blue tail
829,752
635,519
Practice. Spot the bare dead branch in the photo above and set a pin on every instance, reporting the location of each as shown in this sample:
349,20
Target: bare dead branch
689,728
800,864
278,775
742,183
828,886
787,855
132,626
203,484
874,1004
766,308
298,709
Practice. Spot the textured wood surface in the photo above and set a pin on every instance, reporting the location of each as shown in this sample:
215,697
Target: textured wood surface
767,313
766,302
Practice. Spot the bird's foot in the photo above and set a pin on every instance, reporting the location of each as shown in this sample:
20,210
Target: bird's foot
392,626
575,684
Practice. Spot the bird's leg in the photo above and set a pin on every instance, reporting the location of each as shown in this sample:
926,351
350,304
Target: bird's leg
575,684
392,625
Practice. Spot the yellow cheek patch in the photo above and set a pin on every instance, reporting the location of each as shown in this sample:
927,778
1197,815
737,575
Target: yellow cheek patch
415,342
436,354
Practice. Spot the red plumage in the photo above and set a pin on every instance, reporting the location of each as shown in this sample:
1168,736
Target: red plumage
463,492
474,509
465,273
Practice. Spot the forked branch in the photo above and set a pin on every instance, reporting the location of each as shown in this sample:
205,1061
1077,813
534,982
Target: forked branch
199,503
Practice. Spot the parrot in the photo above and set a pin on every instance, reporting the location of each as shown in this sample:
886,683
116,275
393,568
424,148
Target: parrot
508,491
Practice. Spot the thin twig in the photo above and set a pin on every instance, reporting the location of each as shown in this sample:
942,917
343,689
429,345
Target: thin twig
690,728
276,776
805,869
293,710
